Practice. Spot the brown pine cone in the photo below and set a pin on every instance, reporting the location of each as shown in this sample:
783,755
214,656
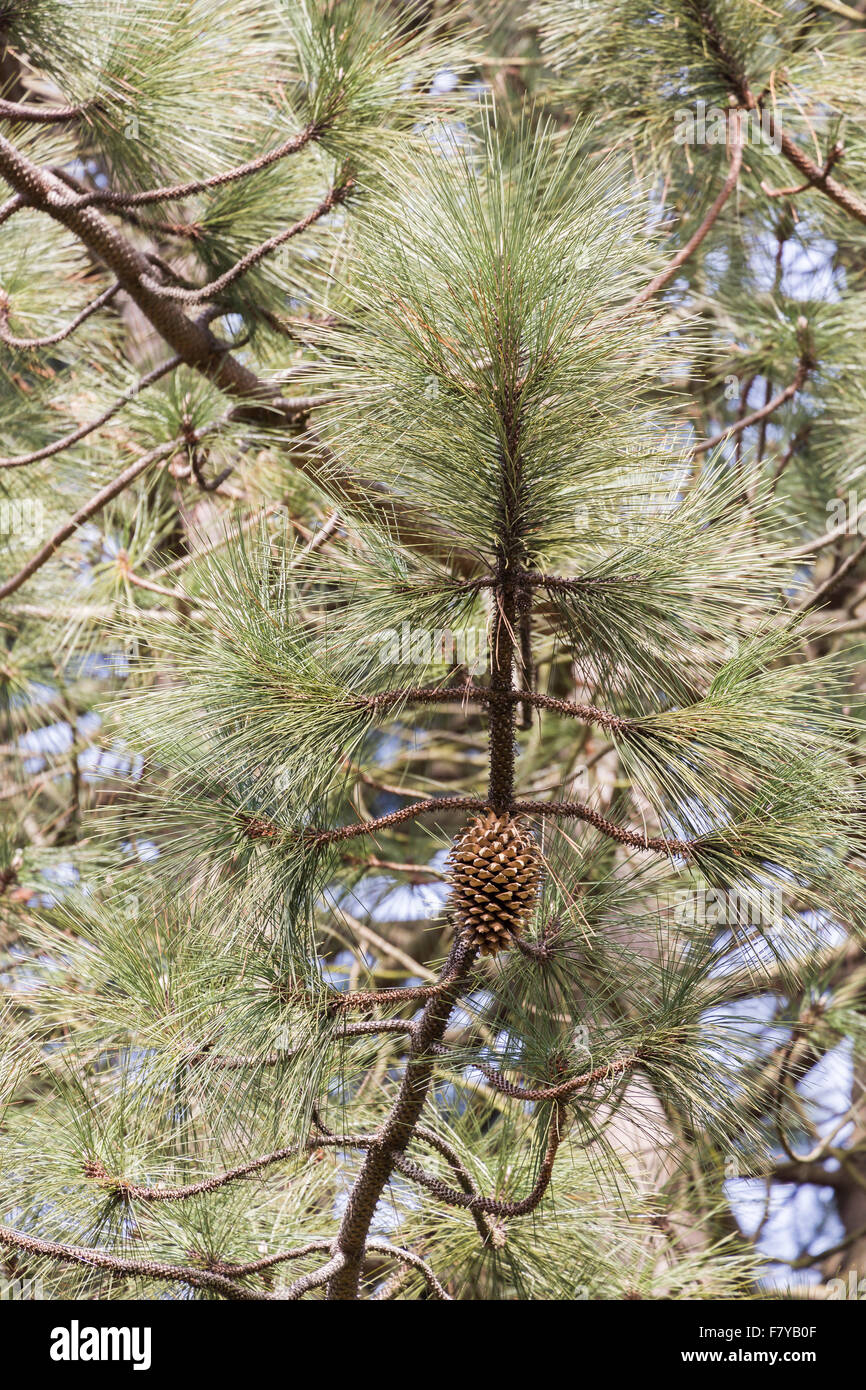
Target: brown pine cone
495,871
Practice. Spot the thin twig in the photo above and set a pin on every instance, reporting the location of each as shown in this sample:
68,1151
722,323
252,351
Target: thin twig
89,509
156,374
258,829
11,206
314,1280
480,694
406,1257
312,1247
175,192
114,1264
564,1088
659,281
493,1206
41,115
135,1192
829,584
578,810
803,368
26,344
252,258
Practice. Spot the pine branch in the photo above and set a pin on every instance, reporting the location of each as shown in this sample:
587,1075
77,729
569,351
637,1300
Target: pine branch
258,829
191,339
492,1206
333,198
380,1247
817,176
488,1233
308,1282
392,1286
59,445
804,367
11,206
368,999
240,1271
832,581
27,344
479,694
134,1192
407,1257
41,115
396,1133
820,178
173,193
564,1088
197,347
833,158
94,1258
577,810
659,281
95,505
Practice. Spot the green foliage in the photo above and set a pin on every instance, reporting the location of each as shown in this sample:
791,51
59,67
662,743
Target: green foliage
460,382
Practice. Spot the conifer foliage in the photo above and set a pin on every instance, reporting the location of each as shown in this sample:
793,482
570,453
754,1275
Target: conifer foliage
357,955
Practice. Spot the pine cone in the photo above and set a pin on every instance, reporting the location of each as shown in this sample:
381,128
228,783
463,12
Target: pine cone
495,874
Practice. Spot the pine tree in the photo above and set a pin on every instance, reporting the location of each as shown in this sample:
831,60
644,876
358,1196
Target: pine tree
436,753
